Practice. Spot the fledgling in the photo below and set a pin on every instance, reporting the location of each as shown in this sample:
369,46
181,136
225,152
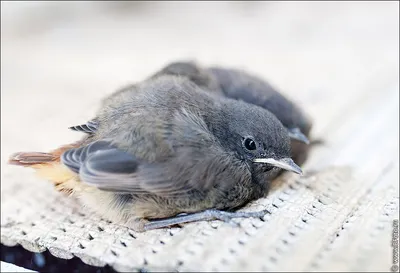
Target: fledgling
164,147
240,85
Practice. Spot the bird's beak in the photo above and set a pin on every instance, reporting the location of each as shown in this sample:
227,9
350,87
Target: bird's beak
295,133
284,163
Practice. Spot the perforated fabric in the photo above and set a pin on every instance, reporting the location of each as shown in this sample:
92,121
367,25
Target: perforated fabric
311,222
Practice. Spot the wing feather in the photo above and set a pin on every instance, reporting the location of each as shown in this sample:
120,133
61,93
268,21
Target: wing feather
195,162
90,127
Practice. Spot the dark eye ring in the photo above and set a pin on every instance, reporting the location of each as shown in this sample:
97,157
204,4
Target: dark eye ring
250,144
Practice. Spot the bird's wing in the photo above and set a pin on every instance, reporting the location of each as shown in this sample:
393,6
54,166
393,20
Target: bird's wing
89,127
195,163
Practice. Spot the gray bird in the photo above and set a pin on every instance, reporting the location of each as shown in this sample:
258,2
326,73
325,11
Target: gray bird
241,85
166,147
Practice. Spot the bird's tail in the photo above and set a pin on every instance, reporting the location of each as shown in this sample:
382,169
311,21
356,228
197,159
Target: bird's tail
48,166
31,159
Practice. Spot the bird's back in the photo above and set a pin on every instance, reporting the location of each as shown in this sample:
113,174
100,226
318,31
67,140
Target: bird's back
135,118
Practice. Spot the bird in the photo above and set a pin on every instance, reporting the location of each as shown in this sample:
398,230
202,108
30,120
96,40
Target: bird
241,85
164,152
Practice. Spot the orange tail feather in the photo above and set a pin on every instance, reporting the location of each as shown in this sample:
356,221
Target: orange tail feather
31,158
48,166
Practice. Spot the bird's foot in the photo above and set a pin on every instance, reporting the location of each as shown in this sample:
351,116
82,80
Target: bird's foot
137,224
207,215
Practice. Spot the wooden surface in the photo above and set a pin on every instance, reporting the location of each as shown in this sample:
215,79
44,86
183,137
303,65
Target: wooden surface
339,61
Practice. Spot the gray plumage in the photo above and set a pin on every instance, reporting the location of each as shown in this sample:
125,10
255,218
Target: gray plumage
173,148
241,85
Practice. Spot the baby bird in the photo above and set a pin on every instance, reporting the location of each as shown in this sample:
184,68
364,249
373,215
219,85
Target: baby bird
165,147
240,85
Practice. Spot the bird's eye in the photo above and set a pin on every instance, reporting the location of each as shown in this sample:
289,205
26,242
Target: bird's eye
250,144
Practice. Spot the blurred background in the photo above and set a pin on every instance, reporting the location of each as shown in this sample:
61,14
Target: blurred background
58,59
